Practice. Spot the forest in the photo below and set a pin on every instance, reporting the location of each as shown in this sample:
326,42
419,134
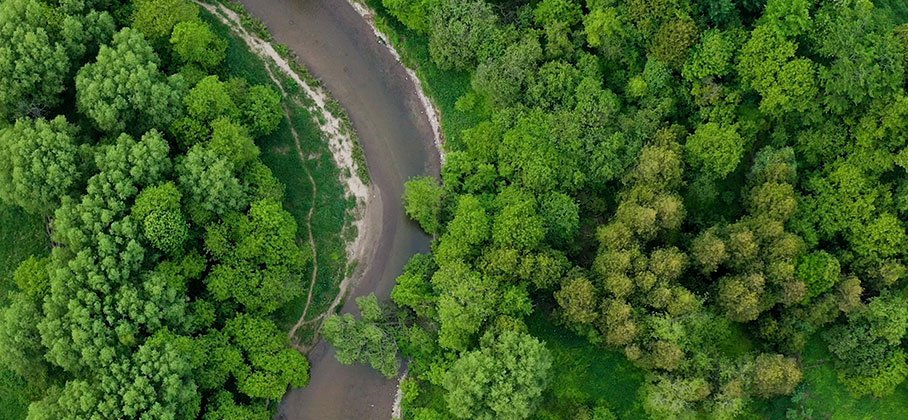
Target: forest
170,251
712,191
667,209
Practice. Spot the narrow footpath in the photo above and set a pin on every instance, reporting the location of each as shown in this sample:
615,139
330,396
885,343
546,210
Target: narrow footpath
338,47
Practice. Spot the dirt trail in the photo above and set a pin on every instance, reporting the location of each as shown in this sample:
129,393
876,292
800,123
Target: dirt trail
339,48
341,146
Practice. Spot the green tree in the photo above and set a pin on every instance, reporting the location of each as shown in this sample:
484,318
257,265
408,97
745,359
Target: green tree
422,201
413,288
708,251
504,379
578,299
39,163
33,66
412,13
518,225
466,301
156,19
363,341
270,366
262,111
714,149
503,78
673,40
124,87
792,18
561,216
867,351
556,18
210,99
225,407
463,33
209,184
258,261
83,33
233,142
158,209
711,57
20,341
769,65
155,381
606,30
774,374
469,229
819,270
865,58
194,42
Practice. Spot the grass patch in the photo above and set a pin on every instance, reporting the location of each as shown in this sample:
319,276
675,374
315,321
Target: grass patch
280,154
21,235
585,375
826,398
445,87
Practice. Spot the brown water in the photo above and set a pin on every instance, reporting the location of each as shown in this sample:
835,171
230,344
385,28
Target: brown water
339,48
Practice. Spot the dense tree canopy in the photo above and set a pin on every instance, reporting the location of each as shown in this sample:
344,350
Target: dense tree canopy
33,63
171,248
661,176
124,87
703,187
502,380
39,163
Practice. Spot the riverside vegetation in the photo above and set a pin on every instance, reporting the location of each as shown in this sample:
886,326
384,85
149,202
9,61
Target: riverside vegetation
152,259
712,194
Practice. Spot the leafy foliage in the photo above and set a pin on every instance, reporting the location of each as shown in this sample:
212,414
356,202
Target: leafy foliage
701,186
33,61
170,246
40,163
503,379
124,87
363,341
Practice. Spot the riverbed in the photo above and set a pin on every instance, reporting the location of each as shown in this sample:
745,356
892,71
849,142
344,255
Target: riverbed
338,47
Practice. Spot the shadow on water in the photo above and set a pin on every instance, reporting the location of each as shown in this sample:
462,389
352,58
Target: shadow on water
339,48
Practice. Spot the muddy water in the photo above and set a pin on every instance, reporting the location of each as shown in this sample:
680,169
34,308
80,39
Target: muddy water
338,47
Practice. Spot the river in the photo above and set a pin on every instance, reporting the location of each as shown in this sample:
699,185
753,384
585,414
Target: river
338,47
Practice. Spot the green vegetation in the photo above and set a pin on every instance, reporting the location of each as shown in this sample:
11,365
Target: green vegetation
821,395
446,88
153,147
587,376
650,208
279,153
711,192
23,236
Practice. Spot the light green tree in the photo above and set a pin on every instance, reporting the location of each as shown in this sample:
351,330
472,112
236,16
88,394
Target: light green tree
124,87
504,379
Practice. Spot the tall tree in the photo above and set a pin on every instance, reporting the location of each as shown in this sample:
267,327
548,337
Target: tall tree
33,65
124,88
39,163
258,261
364,341
422,201
504,379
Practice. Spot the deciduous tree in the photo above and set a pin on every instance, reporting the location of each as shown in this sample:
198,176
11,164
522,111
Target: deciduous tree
124,87
503,379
